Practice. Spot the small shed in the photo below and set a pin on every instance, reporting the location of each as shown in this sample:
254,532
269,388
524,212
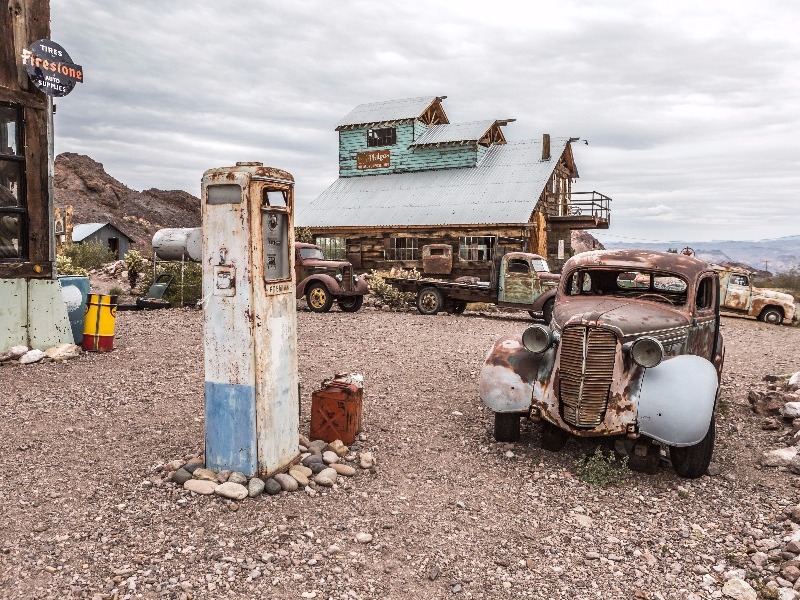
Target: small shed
103,233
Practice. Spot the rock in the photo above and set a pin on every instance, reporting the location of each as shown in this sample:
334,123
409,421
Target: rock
583,520
366,460
592,556
713,469
304,470
303,440
301,477
760,559
317,446
194,464
255,487
173,465
181,476
769,404
31,356
787,594
317,468
794,382
326,478
794,465
312,459
338,447
793,547
13,353
231,490
205,474
738,589
363,538
201,486
329,457
63,352
272,487
223,475
238,477
343,469
780,457
790,573
794,515
771,424
286,482
791,410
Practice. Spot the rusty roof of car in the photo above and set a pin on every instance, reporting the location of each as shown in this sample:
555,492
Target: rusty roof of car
640,259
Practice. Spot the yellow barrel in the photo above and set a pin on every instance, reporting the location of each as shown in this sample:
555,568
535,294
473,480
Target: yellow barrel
98,329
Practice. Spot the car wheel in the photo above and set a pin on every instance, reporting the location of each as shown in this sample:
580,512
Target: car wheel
547,311
429,301
350,303
506,427
553,438
458,307
692,462
318,297
772,316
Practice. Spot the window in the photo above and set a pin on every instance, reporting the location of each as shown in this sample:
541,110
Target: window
705,294
644,285
518,265
541,265
739,280
226,193
334,248
386,136
13,209
475,248
405,248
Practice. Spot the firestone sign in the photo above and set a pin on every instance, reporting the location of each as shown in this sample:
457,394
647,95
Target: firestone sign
50,68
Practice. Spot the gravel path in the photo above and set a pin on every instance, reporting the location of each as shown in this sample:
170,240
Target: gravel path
450,511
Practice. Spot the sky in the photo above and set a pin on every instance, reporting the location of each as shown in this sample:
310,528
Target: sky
691,110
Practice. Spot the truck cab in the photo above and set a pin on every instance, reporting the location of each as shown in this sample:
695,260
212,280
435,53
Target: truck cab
322,281
739,297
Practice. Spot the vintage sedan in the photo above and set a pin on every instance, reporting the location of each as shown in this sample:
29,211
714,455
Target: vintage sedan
633,352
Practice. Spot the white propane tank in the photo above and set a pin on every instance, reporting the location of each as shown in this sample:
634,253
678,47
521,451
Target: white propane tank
175,243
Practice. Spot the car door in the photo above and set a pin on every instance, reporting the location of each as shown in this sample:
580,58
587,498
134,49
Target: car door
705,322
737,295
518,281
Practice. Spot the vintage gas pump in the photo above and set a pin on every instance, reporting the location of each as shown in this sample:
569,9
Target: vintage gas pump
250,324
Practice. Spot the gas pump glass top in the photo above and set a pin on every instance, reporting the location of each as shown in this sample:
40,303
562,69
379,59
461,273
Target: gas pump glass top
227,193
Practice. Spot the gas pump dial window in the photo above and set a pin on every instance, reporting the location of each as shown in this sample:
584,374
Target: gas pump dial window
227,193
275,232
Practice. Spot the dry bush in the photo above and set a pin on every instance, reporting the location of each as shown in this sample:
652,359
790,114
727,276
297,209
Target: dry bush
386,293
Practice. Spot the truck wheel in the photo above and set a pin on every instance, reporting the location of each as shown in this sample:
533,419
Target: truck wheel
318,297
553,438
429,301
771,315
547,311
350,303
458,307
692,461
506,427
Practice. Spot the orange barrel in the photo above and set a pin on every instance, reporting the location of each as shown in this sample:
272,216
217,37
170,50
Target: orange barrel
98,328
336,408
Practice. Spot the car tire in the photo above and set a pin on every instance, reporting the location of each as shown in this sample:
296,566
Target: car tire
458,307
506,427
553,438
318,298
350,304
429,301
771,315
547,311
692,462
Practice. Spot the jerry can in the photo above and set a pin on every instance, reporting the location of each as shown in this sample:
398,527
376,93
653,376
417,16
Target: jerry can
336,408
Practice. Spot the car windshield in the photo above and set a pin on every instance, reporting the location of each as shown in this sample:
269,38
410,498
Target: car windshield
312,253
655,286
540,265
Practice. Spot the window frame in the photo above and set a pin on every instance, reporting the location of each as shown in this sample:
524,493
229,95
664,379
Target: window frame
334,248
21,209
381,137
470,243
402,248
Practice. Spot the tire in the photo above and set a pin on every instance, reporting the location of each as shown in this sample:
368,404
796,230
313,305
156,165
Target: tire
553,438
350,304
318,298
429,301
692,462
547,311
458,307
771,315
506,427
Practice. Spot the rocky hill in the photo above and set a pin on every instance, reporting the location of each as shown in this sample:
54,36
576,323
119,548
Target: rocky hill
96,197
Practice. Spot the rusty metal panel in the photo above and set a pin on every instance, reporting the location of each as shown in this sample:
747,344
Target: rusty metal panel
336,408
437,259
13,313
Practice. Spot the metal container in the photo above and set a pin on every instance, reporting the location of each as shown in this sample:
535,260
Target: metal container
336,408
437,259
101,316
75,291
179,243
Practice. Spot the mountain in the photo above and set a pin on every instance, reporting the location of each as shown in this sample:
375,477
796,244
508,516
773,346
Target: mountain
779,255
96,197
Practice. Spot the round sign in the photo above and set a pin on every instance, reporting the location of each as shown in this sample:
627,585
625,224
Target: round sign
50,68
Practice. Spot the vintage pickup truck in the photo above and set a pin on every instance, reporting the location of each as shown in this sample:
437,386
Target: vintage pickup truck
323,281
634,352
739,297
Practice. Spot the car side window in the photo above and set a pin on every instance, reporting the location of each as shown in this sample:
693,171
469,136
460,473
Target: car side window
518,265
704,299
739,280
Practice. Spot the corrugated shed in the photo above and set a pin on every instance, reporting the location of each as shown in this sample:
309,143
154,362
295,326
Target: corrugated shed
386,111
455,132
503,189
81,232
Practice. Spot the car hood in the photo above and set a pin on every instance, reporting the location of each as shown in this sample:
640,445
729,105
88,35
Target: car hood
773,295
315,263
628,317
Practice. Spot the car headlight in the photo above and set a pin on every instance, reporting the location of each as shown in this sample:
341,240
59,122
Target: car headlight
647,352
338,277
537,338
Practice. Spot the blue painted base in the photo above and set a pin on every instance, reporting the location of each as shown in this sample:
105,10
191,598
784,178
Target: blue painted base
231,428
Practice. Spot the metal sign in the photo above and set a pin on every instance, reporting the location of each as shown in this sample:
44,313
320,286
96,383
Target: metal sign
374,159
561,253
51,69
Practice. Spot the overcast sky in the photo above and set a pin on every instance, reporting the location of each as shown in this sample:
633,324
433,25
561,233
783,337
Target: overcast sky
691,109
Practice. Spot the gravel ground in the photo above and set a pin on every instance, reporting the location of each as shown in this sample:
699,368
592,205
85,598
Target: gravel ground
451,512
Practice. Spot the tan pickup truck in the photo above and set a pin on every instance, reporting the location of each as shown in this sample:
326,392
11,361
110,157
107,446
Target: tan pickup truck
739,297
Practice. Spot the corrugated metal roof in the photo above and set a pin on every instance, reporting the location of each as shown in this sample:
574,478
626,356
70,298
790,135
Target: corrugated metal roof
84,230
455,132
387,110
504,188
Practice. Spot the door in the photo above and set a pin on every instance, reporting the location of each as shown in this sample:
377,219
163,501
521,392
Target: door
519,283
737,294
703,329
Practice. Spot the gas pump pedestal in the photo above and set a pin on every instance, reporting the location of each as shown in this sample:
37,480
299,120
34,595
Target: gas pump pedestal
250,320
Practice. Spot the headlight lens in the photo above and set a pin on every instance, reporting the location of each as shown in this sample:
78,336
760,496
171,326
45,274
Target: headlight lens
537,338
647,352
338,277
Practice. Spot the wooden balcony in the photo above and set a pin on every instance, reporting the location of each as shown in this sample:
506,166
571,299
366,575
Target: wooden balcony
579,210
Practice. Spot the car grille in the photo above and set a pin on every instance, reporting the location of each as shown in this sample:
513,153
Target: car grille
347,278
586,371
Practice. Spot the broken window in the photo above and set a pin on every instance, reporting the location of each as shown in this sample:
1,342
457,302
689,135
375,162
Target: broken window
335,248
13,209
518,265
705,294
739,280
476,248
403,248
386,136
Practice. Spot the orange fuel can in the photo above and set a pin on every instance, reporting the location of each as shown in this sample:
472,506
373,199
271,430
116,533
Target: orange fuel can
336,408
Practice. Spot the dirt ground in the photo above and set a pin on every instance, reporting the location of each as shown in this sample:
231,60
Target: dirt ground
451,512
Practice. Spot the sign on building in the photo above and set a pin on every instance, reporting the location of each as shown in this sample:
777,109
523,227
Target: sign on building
51,69
374,159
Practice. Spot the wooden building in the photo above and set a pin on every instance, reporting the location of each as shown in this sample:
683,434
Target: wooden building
104,234
411,183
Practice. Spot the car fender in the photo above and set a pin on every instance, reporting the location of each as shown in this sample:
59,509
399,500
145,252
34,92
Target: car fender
676,400
333,286
539,303
508,375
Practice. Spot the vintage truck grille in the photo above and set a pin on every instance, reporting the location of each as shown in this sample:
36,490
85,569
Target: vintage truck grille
587,367
347,278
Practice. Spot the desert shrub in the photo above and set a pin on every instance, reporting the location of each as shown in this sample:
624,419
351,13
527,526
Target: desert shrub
303,234
601,469
116,291
89,255
387,293
192,282
64,266
136,265
789,282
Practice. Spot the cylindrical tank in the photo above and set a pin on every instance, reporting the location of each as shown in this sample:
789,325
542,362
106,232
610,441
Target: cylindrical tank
101,316
175,243
75,291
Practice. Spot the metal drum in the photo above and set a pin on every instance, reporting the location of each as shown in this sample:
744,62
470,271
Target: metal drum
75,291
336,408
101,316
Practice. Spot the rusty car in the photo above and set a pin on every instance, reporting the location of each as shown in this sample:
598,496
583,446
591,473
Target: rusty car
634,352
738,297
322,281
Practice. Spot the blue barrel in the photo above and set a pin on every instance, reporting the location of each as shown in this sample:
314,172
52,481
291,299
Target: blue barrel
75,291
